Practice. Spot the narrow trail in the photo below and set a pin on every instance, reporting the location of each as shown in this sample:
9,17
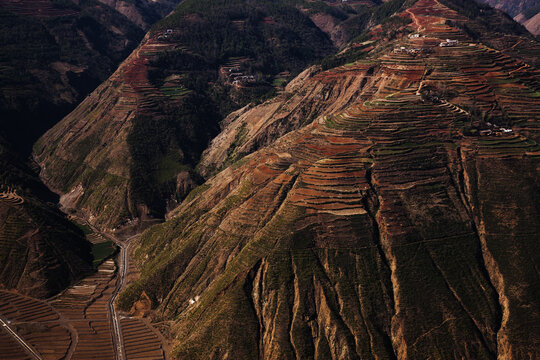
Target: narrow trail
118,343
123,265
415,20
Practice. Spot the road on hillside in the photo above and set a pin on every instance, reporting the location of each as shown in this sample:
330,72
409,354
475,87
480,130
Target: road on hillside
4,324
118,342
115,324
122,262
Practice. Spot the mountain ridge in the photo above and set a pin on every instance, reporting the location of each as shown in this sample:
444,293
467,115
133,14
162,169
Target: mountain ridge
375,207
331,239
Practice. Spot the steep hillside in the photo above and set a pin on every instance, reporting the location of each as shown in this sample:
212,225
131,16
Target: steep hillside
40,251
52,54
390,211
195,67
513,7
530,18
192,69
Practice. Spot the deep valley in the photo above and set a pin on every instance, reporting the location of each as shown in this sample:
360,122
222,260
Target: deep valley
270,180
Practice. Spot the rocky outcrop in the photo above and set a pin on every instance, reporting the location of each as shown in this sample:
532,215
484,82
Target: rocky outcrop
385,227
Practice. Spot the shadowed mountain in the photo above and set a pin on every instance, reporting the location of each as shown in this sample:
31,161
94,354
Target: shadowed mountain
52,55
40,251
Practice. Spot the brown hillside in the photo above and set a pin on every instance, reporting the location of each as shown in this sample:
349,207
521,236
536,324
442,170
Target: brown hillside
400,223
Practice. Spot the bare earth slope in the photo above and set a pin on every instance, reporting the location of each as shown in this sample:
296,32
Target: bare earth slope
384,228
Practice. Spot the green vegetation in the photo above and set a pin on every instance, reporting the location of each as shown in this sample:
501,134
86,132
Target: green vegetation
87,230
388,8
127,297
161,147
102,251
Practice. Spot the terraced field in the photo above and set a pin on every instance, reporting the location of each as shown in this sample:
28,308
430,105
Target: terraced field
140,341
11,349
38,324
75,324
332,240
10,197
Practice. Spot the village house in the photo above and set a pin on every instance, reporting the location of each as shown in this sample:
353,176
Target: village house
449,43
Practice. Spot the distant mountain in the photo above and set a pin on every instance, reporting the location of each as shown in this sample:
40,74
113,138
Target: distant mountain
530,18
52,53
144,13
527,12
513,7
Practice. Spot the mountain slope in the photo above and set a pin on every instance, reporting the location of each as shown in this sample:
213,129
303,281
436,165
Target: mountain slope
143,13
384,227
530,18
513,7
52,55
182,80
40,251
526,12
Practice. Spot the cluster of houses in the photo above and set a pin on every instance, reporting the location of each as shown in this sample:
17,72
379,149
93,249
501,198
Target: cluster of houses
412,51
240,79
165,35
236,76
495,130
423,50
449,43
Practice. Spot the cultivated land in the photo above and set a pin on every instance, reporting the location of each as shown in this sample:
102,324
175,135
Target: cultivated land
78,323
335,237
383,208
